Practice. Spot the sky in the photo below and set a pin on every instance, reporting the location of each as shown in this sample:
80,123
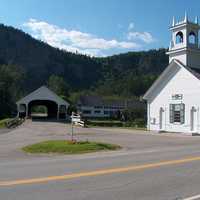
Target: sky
98,27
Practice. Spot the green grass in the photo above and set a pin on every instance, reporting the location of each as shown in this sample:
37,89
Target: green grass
3,122
68,147
138,123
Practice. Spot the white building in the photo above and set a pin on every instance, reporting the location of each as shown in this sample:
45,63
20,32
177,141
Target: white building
173,101
99,107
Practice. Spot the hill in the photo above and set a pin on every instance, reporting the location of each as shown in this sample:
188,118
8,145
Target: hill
27,63
39,60
131,73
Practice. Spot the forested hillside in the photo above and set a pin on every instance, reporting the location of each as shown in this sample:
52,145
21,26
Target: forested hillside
131,73
40,60
26,64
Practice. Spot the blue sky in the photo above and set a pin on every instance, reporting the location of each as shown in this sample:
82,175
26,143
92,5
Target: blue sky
98,27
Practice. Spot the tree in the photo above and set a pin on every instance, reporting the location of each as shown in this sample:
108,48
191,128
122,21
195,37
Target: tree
11,79
58,85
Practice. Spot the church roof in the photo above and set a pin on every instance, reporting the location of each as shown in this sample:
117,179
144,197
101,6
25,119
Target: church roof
194,71
42,93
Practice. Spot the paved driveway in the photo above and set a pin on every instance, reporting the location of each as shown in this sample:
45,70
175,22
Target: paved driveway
4,130
131,140
32,132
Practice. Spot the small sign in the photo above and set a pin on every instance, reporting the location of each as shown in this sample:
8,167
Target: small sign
75,117
177,97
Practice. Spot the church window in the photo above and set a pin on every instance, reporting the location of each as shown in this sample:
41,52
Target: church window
177,113
179,37
192,38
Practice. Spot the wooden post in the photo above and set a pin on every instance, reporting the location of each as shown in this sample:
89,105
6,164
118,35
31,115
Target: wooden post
58,112
26,110
72,132
18,107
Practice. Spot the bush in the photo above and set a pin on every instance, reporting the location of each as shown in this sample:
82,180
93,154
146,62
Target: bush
105,123
134,113
140,123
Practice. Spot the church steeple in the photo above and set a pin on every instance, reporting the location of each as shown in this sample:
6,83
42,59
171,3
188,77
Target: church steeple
184,45
186,17
196,20
173,21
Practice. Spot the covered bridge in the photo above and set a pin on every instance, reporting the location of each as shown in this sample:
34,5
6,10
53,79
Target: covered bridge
55,106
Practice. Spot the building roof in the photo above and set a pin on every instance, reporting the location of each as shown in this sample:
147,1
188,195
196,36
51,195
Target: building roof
194,71
42,93
92,100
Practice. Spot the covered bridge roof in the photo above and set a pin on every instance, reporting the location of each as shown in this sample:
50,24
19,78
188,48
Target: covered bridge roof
43,93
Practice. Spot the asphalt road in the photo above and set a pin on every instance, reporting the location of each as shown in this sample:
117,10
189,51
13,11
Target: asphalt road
149,167
4,130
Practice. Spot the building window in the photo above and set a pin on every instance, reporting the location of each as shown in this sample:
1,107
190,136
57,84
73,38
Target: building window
86,111
177,113
179,37
97,111
106,112
192,38
98,107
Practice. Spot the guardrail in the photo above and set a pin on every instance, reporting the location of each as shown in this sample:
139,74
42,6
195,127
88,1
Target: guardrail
14,122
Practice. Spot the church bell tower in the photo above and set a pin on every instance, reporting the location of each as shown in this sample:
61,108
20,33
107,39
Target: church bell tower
184,45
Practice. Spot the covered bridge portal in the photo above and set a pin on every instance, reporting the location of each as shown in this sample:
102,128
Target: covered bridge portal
44,99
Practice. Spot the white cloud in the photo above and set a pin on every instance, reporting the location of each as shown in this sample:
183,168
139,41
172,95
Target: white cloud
131,26
143,36
133,35
73,40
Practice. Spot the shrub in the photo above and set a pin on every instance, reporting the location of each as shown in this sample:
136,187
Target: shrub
105,123
140,122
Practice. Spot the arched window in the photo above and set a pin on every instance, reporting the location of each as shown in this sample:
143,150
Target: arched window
179,37
192,38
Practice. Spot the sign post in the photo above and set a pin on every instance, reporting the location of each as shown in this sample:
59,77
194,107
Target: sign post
75,120
72,132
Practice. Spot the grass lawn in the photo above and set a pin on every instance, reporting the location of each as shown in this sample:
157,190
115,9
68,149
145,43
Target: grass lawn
3,122
68,147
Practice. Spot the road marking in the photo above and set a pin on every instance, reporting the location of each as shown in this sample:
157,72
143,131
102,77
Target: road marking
97,172
193,198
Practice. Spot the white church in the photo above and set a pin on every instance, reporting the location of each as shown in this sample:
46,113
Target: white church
173,101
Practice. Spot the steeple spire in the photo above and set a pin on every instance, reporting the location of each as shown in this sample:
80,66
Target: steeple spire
173,21
186,17
196,20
